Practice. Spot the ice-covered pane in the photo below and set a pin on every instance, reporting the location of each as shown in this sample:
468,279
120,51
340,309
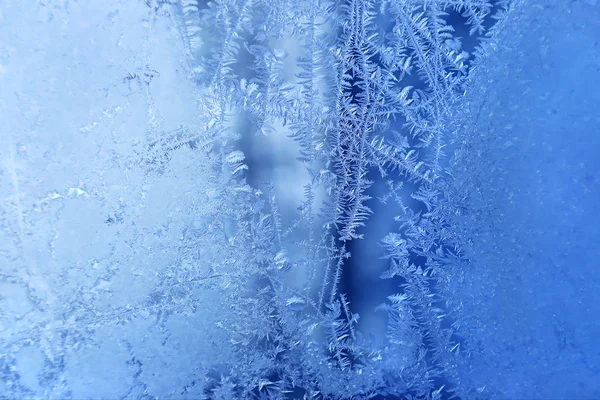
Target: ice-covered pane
106,224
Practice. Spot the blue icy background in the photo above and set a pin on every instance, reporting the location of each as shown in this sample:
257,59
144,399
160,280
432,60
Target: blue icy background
86,236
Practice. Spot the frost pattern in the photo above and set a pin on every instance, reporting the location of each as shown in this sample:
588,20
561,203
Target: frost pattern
143,255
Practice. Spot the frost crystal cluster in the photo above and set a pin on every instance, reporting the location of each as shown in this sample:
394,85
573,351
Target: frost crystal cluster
198,199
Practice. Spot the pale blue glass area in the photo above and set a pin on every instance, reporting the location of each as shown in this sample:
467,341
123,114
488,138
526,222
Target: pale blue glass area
303,199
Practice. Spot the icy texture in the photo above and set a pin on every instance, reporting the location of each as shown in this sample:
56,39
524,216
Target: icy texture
143,255
528,180
113,223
